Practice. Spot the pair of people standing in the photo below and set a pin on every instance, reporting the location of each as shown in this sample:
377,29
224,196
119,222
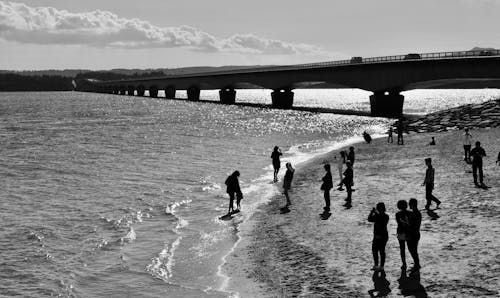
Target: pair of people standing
408,231
476,155
287,179
327,184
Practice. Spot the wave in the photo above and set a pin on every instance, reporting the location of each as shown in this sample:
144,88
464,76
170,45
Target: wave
161,266
130,237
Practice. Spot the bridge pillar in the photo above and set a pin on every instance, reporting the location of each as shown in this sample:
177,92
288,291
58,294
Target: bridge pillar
170,92
123,90
130,90
140,90
193,93
282,98
227,96
386,103
153,91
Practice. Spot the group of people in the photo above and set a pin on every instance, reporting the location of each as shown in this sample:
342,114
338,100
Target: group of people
407,231
400,128
346,178
475,156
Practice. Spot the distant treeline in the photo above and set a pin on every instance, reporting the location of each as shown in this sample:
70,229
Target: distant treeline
61,80
19,82
16,82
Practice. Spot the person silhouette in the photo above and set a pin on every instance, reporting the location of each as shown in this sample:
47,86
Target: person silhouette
326,186
477,164
287,182
433,142
276,161
348,182
351,155
402,219
429,185
380,235
340,164
498,159
233,188
413,233
380,285
467,145
389,137
400,128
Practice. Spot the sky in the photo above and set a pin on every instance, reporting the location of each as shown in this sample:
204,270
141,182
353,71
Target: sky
105,34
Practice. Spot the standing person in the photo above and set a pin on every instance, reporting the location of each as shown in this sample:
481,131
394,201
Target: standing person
429,185
477,164
413,235
467,145
389,137
287,182
498,159
400,128
433,142
233,189
348,182
380,235
340,165
276,161
351,155
326,186
403,223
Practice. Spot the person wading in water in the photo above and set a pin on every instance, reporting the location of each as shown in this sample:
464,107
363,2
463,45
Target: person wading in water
276,161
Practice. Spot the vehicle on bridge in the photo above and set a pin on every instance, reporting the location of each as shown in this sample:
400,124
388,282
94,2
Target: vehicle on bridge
357,60
412,56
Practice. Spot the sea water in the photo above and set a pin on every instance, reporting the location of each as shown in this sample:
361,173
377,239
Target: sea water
107,195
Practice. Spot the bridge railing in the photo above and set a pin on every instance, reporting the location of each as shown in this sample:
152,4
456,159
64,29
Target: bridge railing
360,60
352,61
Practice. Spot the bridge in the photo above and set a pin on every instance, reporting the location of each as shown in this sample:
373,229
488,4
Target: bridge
385,76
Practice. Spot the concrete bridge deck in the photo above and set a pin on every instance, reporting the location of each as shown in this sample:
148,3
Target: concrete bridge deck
385,76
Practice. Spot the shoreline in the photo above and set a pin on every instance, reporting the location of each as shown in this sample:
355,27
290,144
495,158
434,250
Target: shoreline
238,285
281,252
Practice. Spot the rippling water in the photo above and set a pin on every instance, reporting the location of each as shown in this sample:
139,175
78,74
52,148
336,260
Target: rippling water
114,195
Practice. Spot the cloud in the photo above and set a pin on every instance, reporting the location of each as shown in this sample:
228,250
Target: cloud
47,25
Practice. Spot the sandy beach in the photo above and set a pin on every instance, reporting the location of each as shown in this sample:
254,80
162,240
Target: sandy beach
299,255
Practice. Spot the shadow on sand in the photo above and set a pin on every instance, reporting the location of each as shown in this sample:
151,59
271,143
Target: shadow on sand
410,285
432,214
380,285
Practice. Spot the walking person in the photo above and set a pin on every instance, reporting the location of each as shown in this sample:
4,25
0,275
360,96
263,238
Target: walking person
348,182
389,137
276,161
429,185
326,186
400,128
402,219
477,164
340,165
433,142
413,234
498,159
380,235
233,189
467,145
351,155
287,182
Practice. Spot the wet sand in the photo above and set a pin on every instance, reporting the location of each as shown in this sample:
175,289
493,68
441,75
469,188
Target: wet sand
299,255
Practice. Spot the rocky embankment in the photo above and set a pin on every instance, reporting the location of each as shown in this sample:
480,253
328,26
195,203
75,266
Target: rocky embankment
482,115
